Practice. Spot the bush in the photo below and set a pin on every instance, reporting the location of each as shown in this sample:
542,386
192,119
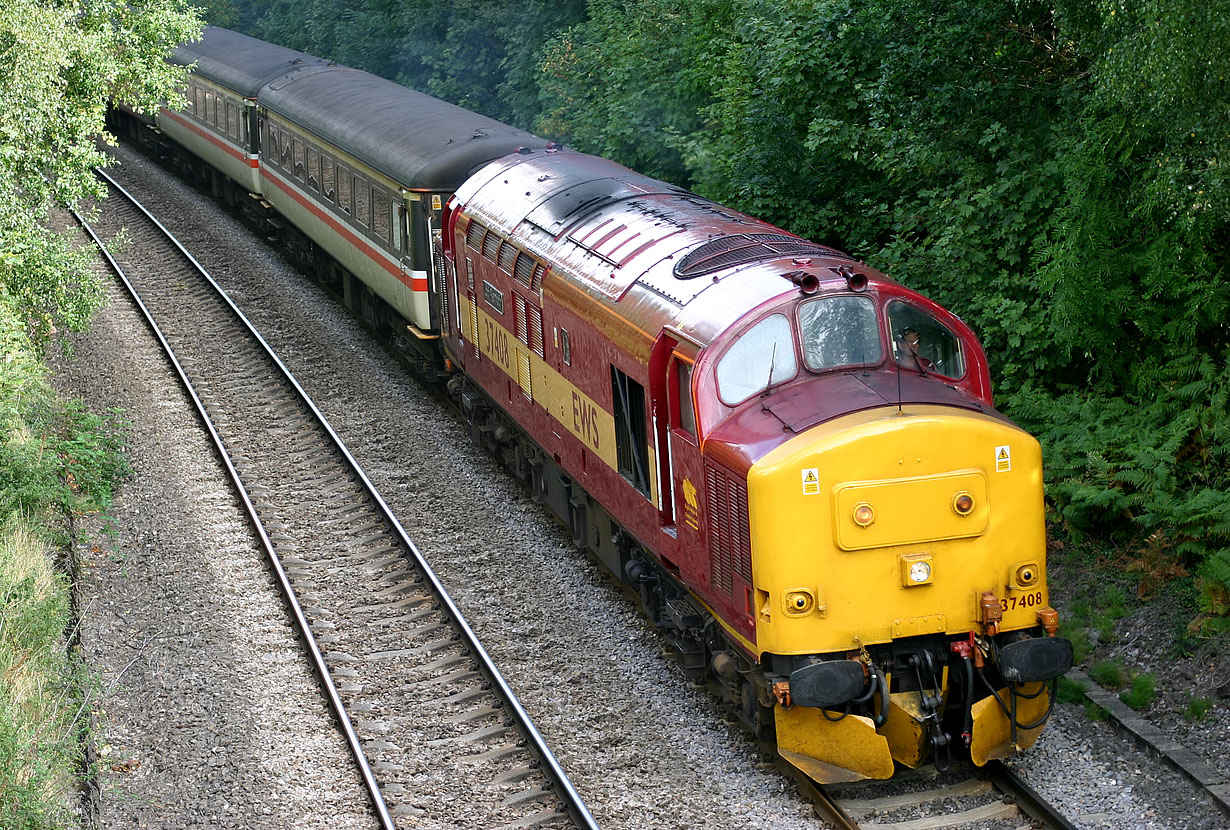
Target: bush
53,454
54,457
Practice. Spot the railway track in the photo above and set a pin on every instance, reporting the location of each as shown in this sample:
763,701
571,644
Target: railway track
413,691
993,797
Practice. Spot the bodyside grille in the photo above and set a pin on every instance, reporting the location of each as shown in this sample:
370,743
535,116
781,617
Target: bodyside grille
730,547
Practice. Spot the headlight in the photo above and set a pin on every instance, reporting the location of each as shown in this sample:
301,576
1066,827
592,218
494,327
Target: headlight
916,569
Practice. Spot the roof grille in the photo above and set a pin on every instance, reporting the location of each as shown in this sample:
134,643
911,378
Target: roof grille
740,249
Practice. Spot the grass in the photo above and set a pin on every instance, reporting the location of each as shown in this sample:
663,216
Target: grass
1070,691
55,459
1111,674
39,705
1142,692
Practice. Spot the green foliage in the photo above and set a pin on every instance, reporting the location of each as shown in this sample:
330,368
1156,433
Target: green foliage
1215,584
53,455
1109,673
1197,708
1095,712
1152,463
1078,635
474,54
1070,691
1142,692
1112,602
632,82
60,64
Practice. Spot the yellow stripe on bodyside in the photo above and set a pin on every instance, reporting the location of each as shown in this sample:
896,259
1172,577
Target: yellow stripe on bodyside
575,411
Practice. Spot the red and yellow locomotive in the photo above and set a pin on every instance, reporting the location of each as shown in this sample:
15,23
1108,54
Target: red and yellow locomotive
794,459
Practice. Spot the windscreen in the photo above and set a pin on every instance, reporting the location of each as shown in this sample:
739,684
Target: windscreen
839,331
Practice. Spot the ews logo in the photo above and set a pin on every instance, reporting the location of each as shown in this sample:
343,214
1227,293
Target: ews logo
585,419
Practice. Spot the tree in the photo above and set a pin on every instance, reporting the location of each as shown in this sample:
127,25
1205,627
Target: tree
60,65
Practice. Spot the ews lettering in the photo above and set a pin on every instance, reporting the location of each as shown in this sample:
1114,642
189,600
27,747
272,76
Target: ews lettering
585,419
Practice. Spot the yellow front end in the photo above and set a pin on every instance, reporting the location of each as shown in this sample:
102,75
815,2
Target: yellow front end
884,525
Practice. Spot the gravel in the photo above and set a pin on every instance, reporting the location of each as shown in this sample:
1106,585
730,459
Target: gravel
644,748
209,715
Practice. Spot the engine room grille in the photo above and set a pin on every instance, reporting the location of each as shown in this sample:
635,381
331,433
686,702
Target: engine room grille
474,235
524,269
730,545
740,249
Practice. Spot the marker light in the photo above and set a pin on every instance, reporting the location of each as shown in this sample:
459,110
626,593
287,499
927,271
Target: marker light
920,571
1026,574
863,514
799,602
963,504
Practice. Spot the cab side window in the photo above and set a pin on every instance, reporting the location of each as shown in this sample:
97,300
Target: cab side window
922,343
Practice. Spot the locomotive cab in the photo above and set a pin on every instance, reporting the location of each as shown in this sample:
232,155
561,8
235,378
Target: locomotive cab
897,598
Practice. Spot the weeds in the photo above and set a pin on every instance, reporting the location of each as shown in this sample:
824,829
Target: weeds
1109,673
1070,691
1197,708
1142,692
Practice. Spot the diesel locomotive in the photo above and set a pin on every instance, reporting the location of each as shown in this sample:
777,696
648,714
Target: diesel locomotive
793,460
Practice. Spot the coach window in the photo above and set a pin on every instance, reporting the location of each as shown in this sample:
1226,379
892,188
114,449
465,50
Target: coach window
631,448
327,177
210,116
761,357
198,103
343,188
380,213
271,142
232,120
297,151
313,165
398,219
362,201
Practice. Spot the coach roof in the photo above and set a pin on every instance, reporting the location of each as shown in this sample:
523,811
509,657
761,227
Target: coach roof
239,62
420,141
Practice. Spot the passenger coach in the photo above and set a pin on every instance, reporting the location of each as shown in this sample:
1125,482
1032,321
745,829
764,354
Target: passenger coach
352,164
